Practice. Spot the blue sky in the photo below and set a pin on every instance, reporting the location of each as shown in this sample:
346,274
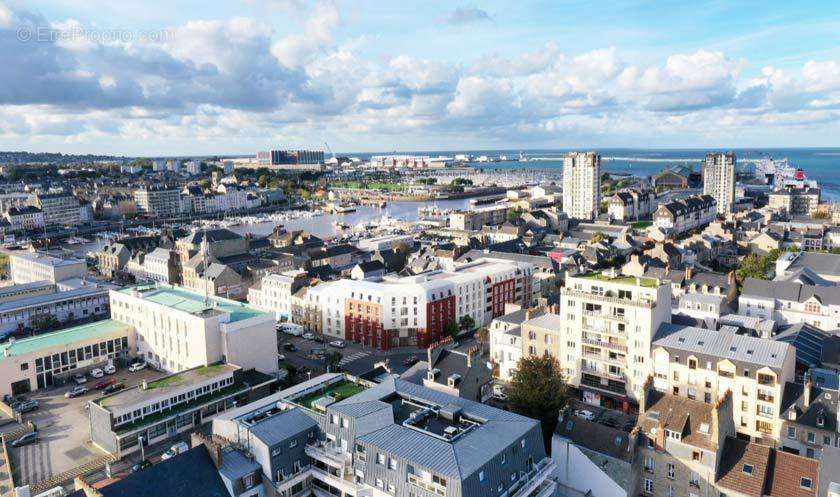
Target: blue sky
233,77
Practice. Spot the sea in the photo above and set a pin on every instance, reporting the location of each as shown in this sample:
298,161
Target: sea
820,164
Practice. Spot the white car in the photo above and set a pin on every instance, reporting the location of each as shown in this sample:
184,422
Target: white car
178,448
79,379
96,373
110,369
339,344
584,414
309,336
137,366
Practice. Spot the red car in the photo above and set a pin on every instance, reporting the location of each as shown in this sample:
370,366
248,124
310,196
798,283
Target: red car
104,384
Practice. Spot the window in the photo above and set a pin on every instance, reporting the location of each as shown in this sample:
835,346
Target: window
392,464
648,486
293,444
380,459
805,483
748,469
481,476
811,437
249,481
649,464
671,471
24,366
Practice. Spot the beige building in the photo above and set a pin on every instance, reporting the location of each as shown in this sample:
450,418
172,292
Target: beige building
221,243
702,365
274,293
29,266
211,277
608,322
112,258
582,185
719,180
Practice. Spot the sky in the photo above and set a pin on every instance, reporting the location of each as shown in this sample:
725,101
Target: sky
189,77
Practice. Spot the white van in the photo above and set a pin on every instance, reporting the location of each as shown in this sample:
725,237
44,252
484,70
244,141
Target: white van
178,448
295,330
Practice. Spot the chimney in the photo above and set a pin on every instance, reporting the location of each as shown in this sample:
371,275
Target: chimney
730,278
689,272
429,356
806,394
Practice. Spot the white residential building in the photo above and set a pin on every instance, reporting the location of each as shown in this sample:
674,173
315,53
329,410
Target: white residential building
158,201
26,267
719,180
582,185
178,329
609,322
790,302
506,342
274,293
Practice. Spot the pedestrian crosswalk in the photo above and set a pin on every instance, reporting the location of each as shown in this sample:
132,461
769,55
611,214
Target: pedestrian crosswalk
352,357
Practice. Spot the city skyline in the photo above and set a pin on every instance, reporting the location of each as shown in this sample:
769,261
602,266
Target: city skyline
247,76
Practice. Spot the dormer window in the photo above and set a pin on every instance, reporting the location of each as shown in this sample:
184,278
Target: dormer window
748,469
805,483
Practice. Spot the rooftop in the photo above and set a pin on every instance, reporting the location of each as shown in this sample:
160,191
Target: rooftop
621,279
49,298
723,345
184,300
42,258
60,338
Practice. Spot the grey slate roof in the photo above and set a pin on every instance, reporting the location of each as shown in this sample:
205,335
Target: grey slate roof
710,345
808,341
281,426
790,291
235,465
818,262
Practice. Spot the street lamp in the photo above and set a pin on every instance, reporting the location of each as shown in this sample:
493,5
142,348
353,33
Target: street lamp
142,450
309,375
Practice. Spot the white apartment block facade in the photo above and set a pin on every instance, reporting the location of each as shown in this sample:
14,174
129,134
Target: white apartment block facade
582,185
703,365
59,209
27,267
609,325
275,293
789,302
158,201
719,180
177,329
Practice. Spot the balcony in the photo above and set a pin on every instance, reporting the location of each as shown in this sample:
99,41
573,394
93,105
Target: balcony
608,345
647,304
291,480
605,315
345,484
328,453
534,483
609,387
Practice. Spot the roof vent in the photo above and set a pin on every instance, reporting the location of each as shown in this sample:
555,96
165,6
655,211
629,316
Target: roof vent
433,373
453,380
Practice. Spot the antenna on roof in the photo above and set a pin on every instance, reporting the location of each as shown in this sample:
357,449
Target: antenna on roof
204,255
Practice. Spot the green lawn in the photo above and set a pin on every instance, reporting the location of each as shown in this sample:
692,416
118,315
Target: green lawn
626,280
640,225
338,391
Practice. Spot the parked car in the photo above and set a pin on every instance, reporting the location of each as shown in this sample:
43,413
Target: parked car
104,383
318,339
309,336
109,369
14,402
116,387
295,330
289,347
97,373
76,391
281,357
178,448
28,406
79,378
585,414
410,360
339,344
27,439
140,466
137,366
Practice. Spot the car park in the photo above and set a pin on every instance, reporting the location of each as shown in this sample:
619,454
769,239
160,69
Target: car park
173,451
137,366
116,387
339,344
27,439
97,373
79,378
585,414
28,406
76,391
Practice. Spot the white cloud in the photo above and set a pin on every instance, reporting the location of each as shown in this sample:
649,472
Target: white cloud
313,39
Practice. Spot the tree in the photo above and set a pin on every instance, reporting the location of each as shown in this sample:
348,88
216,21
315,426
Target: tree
514,214
537,391
263,180
451,328
332,360
43,322
467,322
599,237
461,182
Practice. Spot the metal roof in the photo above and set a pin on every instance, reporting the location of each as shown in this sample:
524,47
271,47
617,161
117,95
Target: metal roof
68,336
723,345
279,427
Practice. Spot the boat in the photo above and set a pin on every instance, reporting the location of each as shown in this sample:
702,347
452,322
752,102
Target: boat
76,240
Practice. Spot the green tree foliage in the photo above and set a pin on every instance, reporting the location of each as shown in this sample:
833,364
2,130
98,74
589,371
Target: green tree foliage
451,328
537,391
514,214
461,182
757,266
599,237
332,359
467,322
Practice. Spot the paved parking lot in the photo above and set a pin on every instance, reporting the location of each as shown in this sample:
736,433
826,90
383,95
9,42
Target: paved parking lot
355,358
609,417
63,430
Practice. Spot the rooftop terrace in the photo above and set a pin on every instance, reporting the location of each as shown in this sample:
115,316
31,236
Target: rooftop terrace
184,300
621,279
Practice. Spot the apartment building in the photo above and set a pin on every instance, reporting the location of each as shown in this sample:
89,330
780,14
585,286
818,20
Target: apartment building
475,219
631,205
158,410
161,265
789,302
26,217
414,310
681,216
112,258
703,365
221,243
49,359
795,201
719,180
87,300
582,185
809,418
606,332
59,209
158,201
395,438
29,266
809,267
274,293
178,329
505,335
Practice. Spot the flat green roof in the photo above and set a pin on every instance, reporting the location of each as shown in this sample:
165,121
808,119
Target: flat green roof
622,279
63,337
181,299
